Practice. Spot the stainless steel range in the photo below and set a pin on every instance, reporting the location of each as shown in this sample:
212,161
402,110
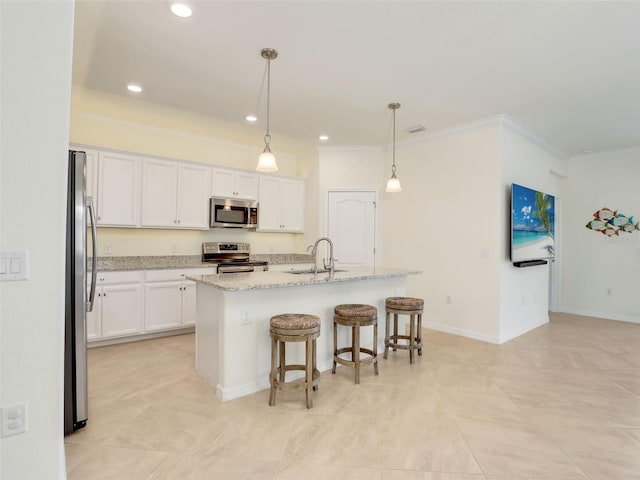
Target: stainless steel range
231,257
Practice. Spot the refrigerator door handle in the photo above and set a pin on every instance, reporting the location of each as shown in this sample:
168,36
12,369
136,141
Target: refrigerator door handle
94,256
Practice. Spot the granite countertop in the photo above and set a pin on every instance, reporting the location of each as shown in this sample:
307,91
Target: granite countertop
258,280
114,264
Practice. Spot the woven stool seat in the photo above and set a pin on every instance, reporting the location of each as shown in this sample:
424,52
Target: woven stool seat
293,327
405,303
355,316
356,310
404,306
295,321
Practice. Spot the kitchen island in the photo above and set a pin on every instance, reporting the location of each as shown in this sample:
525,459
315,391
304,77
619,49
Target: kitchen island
233,347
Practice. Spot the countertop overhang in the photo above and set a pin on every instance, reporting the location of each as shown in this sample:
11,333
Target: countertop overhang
232,282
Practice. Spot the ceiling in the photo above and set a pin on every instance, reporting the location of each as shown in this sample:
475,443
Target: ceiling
569,72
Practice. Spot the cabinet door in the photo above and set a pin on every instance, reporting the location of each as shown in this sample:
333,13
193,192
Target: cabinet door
121,310
292,197
94,318
270,208
246,186
188,303
194,190
118,195
91,175
159,180
163,306
222,183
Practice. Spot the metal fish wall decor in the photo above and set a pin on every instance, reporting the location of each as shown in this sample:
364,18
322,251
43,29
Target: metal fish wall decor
610,222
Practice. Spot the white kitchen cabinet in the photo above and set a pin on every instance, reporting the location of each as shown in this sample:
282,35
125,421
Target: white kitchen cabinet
174,194
281,205
118,306
118,190
234,184
194,191
170,299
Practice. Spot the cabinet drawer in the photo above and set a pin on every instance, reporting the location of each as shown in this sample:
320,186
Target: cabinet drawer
110,278
177,274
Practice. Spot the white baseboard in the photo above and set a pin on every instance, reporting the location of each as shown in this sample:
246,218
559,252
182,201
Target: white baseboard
522,331
620,317
461,332
231,393
481,336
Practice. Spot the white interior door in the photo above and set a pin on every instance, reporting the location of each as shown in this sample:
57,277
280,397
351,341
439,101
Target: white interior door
352,227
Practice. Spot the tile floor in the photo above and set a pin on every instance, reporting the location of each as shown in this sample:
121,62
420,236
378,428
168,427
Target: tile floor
559,403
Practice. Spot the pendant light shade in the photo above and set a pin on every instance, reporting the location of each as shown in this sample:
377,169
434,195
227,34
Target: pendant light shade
393,185
267,160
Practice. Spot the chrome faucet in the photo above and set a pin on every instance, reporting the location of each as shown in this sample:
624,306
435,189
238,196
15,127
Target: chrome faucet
331,266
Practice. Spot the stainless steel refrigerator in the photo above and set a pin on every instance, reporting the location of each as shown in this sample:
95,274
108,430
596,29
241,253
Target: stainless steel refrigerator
80,286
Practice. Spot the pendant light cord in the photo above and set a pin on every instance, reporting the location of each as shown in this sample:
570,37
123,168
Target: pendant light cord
267,137
393,166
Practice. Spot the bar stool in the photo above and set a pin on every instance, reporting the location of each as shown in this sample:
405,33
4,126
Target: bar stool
355,316
293,327
404,306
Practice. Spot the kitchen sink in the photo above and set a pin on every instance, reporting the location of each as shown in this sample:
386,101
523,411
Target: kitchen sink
320,270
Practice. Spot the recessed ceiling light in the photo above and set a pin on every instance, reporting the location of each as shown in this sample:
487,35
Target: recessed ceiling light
250,118
181,10
586,151
134,88
324,138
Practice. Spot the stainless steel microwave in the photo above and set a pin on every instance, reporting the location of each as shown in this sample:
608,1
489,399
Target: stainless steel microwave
232,213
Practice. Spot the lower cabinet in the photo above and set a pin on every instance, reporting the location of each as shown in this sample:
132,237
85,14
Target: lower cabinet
118,306
169,305
139,302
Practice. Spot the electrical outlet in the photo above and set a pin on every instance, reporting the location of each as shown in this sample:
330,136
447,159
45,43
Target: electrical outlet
245,318
449,299
107,248
14,420
609,292
174,248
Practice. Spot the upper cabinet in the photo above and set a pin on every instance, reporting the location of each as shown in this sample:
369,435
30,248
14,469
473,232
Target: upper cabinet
131,190
118,189
281,205
91,174
174,194
227,183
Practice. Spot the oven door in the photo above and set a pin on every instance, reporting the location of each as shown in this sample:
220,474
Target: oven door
235,268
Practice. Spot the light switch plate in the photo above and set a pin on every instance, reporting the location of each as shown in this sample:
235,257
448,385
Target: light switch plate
14,420
14,265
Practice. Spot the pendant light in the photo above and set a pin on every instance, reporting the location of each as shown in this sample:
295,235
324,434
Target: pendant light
393,185
266,160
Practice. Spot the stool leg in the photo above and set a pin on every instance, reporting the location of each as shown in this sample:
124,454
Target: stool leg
314,363
395,331
419,333
412,337
335,346
272,374
355,351
386,334
283,362
308,374
375,348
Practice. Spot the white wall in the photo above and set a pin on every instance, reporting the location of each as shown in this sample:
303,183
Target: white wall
354,168
445,222
593,262
524,292
36,47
